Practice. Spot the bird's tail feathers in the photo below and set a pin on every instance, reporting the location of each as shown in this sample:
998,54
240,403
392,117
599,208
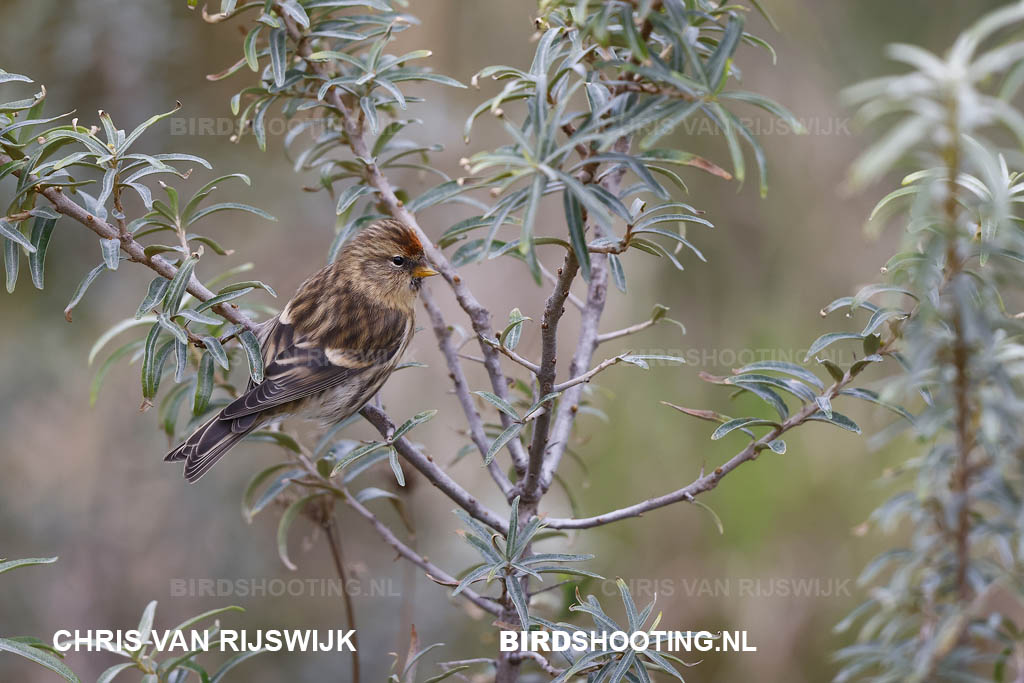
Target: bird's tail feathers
209,443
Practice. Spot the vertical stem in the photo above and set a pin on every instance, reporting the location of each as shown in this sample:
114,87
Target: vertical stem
554,307
508,669
331,529
961,360
570,398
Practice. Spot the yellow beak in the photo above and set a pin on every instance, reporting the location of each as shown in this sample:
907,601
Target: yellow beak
423,271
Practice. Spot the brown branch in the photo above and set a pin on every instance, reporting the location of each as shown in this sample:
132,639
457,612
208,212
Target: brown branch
707,482
963,414
554,308
550,277
458,378
330,526
585,346
429,469
434,573
597,294
64,205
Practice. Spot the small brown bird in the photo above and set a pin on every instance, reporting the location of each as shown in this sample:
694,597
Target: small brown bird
331,348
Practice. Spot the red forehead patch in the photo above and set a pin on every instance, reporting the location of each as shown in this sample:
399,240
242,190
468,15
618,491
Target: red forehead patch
401,234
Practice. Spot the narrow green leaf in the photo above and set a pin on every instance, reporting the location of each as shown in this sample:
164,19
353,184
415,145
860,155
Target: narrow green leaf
37,655
784,367
350,196
838,419
396,466
530,212
290,513
825,405
253,354
509,337
828,339
229,206
145,626
156,293
515,591
42,228
204,385
740,422
501,440
247,285
873,397
249,47
216,350
834,370
437,195
25,562
286,441
12,233
141,128
618,274
223,298
370,111
278,55
415,420
178,286
499,403
89,278
111,251
577,232
12,263
356,454
6,77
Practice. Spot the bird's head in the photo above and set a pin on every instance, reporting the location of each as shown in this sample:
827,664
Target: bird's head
390,261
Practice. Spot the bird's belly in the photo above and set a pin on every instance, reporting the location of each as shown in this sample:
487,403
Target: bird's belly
338,403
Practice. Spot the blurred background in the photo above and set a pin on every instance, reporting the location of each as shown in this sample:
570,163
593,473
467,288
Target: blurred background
90,486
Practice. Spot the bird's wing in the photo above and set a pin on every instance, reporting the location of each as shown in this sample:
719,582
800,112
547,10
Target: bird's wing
297,367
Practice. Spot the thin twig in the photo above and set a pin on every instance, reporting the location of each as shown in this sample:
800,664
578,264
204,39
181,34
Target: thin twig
66,206
589,374
541,661
458,377
428,468
626,331
331,531
513,356
705,482
433,572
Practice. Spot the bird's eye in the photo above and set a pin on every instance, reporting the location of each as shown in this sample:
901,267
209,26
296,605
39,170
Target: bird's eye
398,260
